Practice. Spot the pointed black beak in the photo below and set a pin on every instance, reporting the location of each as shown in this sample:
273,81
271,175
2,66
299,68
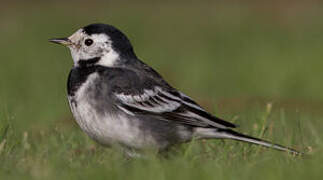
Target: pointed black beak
62,41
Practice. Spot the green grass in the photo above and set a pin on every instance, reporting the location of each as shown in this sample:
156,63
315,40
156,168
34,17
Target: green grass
234,59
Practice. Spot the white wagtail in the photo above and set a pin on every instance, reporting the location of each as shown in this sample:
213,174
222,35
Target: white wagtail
117,99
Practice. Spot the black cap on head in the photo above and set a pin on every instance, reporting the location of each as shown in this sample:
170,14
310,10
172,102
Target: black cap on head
120,42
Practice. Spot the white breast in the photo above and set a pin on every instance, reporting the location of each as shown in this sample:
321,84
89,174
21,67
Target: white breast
106,128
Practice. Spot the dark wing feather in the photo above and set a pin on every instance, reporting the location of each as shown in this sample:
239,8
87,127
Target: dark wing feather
165,103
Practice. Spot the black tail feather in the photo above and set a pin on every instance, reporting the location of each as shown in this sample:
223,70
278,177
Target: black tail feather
230,134
245,138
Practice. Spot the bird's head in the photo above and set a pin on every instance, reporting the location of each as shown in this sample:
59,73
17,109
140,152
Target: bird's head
98,44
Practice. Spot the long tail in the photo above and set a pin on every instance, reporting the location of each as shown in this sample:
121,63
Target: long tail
230,134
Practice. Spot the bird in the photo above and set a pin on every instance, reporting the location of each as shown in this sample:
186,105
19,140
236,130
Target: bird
117,99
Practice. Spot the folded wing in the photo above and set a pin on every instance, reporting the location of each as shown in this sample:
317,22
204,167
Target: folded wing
168,105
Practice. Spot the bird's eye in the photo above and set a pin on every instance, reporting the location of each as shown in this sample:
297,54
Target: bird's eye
88,42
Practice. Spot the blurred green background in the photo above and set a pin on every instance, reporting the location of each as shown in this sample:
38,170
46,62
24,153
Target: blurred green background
236,58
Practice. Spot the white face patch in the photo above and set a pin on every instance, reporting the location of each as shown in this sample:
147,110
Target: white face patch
101,47
109,59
